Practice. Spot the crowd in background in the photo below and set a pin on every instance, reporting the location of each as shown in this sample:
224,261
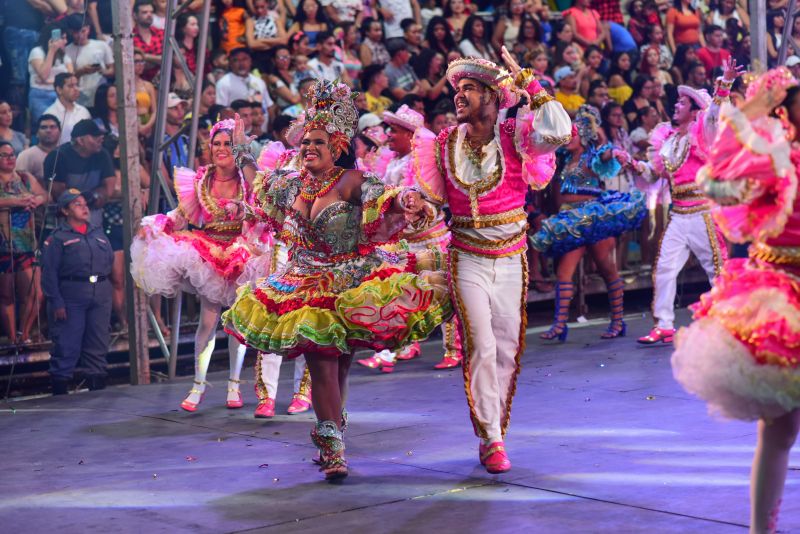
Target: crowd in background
625,58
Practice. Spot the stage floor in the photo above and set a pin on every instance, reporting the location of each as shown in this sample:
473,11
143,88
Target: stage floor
602,440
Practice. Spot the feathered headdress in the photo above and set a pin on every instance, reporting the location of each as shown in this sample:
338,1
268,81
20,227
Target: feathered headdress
332,109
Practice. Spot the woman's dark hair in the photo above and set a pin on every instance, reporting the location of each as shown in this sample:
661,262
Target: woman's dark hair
206,84
678,4
345,26
347,160
771,14
791,95
3,143
615,69
294,41
367,141
446,9
300,16
366,23
180,26
273,64
638,84
44,38
630,8
589,50
448,42
527,19
469,25
641,113
558,27
422,62
604,115
679,59
100,109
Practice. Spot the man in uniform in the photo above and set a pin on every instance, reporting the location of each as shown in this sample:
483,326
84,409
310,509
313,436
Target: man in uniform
76,265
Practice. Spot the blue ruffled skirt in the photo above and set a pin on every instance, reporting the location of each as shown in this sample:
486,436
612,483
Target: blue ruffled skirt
611,214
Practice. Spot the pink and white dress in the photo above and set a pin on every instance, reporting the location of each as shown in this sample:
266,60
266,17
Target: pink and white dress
742,352
202,247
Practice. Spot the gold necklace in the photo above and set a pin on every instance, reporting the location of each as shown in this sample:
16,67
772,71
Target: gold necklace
676,160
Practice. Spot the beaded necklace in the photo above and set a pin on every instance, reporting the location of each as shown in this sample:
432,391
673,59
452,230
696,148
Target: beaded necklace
314,187
676,159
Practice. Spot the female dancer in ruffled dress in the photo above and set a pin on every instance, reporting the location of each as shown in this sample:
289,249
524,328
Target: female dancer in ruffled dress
741,354
200,247
590,218
338,291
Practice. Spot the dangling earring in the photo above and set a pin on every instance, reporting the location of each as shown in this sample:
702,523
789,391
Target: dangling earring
783,116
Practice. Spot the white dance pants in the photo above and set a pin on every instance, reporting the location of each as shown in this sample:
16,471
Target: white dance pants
268,370
490,297
695,234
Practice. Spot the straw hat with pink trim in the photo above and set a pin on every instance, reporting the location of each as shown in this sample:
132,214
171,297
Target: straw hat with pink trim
404,117
698,96
488,73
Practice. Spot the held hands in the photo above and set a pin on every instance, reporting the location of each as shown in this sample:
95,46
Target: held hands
413,206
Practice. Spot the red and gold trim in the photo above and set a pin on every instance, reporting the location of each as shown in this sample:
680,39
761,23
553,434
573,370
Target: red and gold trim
485,221
713,240
523,326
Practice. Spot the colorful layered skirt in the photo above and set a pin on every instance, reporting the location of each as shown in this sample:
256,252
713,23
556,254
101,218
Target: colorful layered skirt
585,223
335,304
211,265
742,352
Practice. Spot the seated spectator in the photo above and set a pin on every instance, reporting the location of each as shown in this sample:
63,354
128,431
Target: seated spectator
685,56
22,28
372,50
429,66
232,18
585,23
655,37
20,194
456,14
429,10
208,97
646,119
83,164
697,76
146,38
474,42
347,49
46,61
712,54
567,54
593,60
303,89
258,123
187,30
16,139
439,37
643,87
528,41
325,66
242,84
651,66
619,78
725,11
298,44
104,113
282,124
92,60
508,27
66,108
146,97
597,95
281,79
402,79
683,25
31,160
412,33
219,65
310,20
263,31
567,83
375,82
242,107
176,154
539,61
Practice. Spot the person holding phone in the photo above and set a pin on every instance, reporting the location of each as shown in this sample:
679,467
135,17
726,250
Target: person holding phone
46,61
93,60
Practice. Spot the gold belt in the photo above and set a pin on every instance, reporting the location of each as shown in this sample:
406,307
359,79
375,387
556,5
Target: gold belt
689,210
777,255
483,221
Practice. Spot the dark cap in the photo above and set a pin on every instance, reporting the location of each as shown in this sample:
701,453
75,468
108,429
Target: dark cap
86,127
75,22
67,197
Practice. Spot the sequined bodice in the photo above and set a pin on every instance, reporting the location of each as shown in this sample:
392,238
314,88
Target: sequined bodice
335,229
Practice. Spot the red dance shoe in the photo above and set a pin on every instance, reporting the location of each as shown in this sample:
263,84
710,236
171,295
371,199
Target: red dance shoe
265,409
300,403
236,403
494,457
450,360
663,335
192,406
410,352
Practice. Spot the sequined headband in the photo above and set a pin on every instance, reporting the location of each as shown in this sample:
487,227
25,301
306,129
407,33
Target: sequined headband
227,124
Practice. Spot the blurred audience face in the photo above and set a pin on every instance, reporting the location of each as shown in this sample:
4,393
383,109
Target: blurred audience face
260,8
414,35
310,8
595,59
616,119
457,7
144,16
599,97
77,211
571,55
647,90
192,27
8,159
399,139
716,38
517,7
657,35
568,83
624,62
89,144
209,96
327,47
48,132
540,62
6,117
436,65
439,123
70,92
650,119
477,29
652,57
375,32
565,34
246,114
452,120
697,76
257,121
439,32
138,64
176,113
80,37
361,102
241,64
